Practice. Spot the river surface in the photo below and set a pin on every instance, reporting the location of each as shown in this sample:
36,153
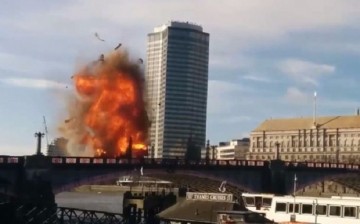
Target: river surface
104,201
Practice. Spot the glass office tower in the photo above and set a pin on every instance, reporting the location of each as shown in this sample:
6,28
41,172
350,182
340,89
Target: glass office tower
176,89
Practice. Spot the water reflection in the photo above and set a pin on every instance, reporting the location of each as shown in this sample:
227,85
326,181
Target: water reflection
100,201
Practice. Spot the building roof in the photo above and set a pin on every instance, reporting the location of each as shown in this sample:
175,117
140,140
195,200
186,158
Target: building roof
288,124
195,211
178,24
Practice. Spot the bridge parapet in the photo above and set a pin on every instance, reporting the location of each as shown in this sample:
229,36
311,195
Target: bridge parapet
257,175
10,161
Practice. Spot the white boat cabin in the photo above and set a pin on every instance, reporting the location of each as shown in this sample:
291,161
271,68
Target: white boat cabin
338,210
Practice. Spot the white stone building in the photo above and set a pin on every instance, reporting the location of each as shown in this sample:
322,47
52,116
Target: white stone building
234,149
328,139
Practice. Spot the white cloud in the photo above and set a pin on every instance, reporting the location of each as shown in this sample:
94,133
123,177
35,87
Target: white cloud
337,46
223,61
347,104
34,83
305,71
238,23
257,78
48,39
220,96
224,96
27,65
296,96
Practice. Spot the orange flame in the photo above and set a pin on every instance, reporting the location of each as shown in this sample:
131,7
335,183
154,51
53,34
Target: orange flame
114,115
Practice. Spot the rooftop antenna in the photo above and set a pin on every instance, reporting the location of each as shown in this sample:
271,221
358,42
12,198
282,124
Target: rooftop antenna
46,132
314,116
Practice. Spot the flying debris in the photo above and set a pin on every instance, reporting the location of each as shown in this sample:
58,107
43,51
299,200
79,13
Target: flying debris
140,61
98,37
101,58
142,171
68,120
117,47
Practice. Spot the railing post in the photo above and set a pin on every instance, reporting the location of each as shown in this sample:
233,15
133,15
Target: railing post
62,216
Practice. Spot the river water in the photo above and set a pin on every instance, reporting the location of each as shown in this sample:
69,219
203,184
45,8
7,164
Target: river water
99,201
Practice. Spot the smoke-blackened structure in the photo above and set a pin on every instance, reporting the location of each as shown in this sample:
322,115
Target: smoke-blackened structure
108,108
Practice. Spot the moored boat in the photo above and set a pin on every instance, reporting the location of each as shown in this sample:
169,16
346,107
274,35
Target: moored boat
288,209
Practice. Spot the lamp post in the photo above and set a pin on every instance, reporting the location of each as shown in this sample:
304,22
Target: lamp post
38,135
293,215
207,155
315,202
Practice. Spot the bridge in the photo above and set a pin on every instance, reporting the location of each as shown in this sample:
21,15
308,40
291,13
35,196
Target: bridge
35,214
66,173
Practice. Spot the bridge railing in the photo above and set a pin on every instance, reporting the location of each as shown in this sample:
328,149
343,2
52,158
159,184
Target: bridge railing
179,162
323,165
13,160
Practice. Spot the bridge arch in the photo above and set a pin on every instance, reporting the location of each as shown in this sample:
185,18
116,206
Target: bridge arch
160,174
350,183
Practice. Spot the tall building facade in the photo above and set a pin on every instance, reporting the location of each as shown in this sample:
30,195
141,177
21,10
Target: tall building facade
328,139
58,147
176,89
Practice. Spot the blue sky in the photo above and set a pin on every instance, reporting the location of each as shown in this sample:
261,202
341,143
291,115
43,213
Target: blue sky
266,58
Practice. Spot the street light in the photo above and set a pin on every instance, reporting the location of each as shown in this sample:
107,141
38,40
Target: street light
38,135
293,217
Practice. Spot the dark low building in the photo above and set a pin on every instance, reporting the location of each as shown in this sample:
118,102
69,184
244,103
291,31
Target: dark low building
208,208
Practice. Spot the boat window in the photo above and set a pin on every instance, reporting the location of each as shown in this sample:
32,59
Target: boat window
335,210
321,209
258,202
267,201
249,201
349,211
307,209
280,207
291,207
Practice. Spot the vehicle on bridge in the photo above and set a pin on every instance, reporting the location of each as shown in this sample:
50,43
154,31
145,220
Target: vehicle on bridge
281,209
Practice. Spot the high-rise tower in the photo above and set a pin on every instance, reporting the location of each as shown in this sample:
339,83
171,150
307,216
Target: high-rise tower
177,85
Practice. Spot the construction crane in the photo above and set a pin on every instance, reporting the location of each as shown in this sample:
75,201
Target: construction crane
46,133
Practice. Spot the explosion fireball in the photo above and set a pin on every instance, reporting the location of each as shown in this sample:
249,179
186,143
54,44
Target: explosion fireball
108,115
